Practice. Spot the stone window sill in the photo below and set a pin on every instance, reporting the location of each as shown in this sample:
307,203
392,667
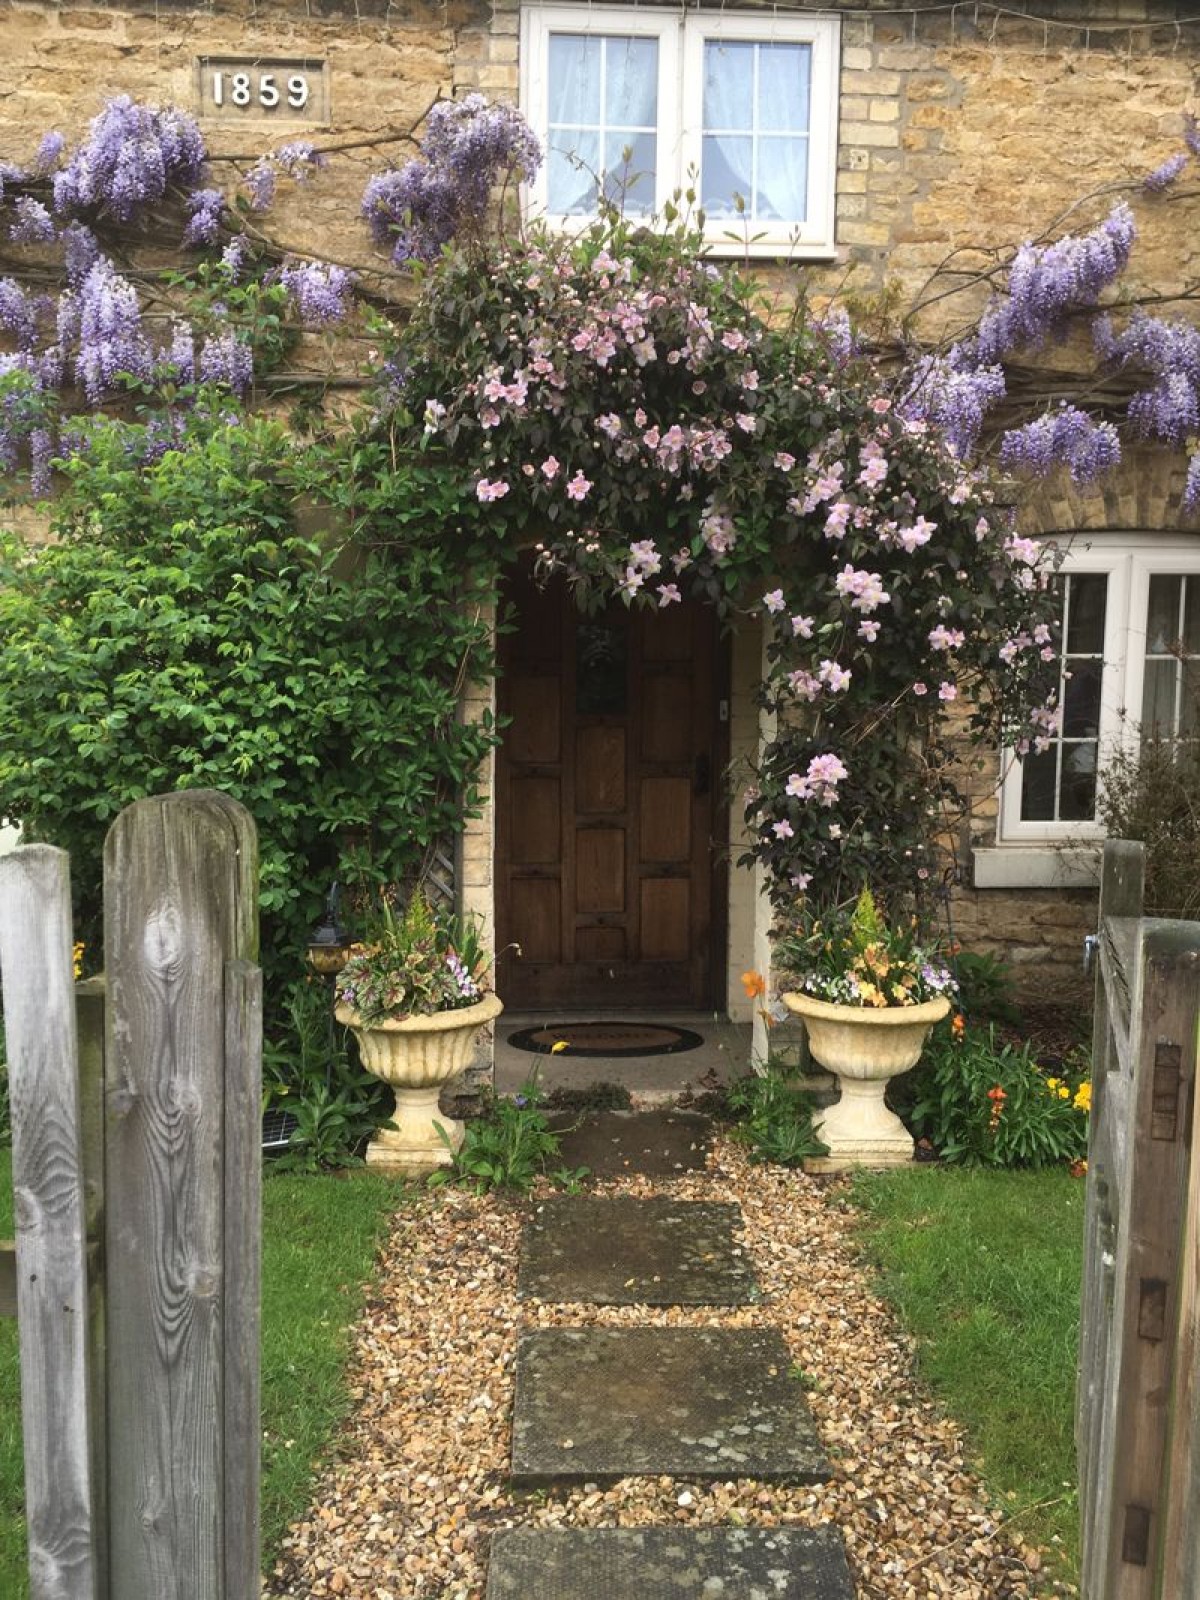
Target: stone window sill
1037,867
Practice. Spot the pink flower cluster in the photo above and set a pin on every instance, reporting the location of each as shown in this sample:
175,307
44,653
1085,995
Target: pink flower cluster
820,782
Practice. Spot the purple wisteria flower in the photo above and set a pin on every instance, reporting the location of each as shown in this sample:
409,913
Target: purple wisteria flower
10,175
228,360
1047,282
105,317
260,181
131,155
49,151
180,356
953,397
81,250
469,147
1065,437
1165,174
1170,409
18,315
33,224
205,208
233,257
1191,488
299,158
321,292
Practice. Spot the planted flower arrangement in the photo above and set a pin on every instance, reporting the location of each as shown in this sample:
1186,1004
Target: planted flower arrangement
415,996
868,991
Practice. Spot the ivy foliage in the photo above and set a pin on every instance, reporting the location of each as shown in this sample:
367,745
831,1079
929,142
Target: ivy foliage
215,620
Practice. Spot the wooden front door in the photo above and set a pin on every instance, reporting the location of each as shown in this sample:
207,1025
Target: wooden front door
607,803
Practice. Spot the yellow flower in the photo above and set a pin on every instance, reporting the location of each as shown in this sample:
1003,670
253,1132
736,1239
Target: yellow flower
78,959
754,984
559,1046
1083,1096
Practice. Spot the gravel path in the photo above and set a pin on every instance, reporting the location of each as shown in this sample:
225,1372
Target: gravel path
420,1480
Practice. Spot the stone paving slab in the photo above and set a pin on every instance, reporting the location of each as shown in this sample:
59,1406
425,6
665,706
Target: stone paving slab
607,1403
612,1144
669,1564
584,1249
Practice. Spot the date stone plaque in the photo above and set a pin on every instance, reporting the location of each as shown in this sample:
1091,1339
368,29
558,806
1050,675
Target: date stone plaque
262,89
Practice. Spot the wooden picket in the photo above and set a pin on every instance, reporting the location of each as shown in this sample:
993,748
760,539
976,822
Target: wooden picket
138,1128
1137,1477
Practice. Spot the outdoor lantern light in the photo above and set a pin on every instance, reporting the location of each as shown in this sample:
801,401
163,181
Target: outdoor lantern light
329,943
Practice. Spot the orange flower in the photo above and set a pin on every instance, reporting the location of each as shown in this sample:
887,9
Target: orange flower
958,1026
1078,1169
754,984
998,1095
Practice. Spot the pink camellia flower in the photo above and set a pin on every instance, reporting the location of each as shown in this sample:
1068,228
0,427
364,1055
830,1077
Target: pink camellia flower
868,629
783,829
920,533
550,468
784,461
668,594
875,471
486,489
801,880
943,638
881,404
578,487
947,691
920,688
802,627
746,421
835,522
750,380
774,601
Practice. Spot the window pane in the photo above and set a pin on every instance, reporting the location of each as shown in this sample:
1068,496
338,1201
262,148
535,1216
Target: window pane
574,79
726,170
782,190
1086,594
1163,621
1081,700
728,85
572,163
1158,699
1077,797
631,83
1038,782
784,73
601,670
1191,616
629,170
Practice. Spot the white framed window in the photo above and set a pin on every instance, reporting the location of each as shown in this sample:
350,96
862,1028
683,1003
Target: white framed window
1129,668
639,103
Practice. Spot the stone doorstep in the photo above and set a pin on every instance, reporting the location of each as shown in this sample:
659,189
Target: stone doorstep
669,1564
584,1249
599,1404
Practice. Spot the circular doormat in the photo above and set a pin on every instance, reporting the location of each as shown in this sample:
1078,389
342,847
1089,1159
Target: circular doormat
606,1039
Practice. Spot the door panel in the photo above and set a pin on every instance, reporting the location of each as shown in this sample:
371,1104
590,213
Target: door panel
606,812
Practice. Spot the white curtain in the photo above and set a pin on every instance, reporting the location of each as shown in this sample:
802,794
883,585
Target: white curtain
603,98
749,112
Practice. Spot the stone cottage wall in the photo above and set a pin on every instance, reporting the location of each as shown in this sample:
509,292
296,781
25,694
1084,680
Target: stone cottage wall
962,131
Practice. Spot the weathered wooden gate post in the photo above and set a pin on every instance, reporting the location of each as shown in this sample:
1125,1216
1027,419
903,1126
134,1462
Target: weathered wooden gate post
63,1502
183,1203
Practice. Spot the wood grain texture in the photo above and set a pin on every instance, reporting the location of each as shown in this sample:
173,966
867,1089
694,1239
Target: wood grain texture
180,878
37,973
89,1023
1138,1482
8,1278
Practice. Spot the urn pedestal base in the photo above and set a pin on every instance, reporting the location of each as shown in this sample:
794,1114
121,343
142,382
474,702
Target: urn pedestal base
412,1149
863,1048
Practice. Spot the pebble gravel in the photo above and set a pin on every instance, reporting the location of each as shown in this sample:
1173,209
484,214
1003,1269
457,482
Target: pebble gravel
418,1482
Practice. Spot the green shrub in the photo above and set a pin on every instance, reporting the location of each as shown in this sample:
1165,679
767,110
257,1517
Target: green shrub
984,1103
986,991
774,1117
1153,795
181,632
311,1069
509,1145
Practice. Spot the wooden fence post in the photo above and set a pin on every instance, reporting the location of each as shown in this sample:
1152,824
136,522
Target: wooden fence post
48,1184
183,1048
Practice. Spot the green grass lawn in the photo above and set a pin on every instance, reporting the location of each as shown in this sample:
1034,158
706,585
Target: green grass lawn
319,1240
984,1269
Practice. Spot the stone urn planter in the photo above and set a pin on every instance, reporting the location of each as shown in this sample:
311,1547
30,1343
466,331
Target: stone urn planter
417,1057
863,1047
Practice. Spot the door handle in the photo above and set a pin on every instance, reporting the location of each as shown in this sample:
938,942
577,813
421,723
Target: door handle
701,776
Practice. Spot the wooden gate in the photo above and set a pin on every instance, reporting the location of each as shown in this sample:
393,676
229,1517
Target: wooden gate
136,1113
1137,1417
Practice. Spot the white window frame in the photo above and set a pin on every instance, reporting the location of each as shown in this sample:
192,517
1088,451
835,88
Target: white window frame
1129,561
681,35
